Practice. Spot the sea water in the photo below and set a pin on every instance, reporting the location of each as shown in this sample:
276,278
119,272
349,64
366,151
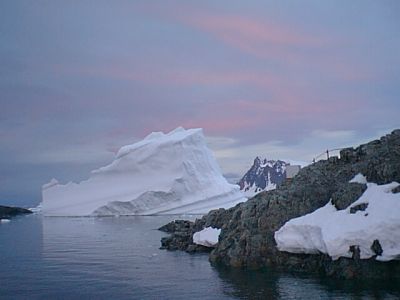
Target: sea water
119,258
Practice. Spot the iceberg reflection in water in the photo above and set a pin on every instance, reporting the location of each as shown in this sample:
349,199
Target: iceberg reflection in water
119,258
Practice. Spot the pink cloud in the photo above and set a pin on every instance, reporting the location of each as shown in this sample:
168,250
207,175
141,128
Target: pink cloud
285,109
285,101
261,38
249,29
278,41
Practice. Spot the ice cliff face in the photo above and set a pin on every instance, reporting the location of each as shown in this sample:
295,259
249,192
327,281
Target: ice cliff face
264,175
172,173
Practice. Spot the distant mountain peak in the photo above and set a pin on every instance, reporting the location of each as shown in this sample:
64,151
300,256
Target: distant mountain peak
263,175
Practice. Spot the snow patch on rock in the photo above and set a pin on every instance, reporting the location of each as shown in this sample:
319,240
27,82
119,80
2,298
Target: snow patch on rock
359,178
331,231
207,237
173,173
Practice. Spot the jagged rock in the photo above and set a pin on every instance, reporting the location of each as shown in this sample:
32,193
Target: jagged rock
177,225
9,211
396,190
358,207
193,248
376,247
215,218
347,194
181,235
356,252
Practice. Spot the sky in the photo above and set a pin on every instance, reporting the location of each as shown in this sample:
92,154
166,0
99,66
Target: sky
278,79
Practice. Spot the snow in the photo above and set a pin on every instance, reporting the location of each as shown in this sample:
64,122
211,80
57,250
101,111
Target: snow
173,173
359,178
331,231
207,237
249,191
4,220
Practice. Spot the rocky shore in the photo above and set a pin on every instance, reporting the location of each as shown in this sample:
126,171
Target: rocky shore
247,237
7,212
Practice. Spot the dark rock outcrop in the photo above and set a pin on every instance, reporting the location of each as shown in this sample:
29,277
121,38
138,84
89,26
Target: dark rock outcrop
181,233
247,236
9,212
347,194
396,190
376,247
358,207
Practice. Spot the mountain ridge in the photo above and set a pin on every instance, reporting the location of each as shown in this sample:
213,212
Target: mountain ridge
263,175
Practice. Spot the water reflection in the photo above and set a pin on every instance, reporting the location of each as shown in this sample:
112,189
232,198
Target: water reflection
20,256
245,284
119,258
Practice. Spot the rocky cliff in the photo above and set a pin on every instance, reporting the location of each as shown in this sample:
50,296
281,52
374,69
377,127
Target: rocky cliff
247,237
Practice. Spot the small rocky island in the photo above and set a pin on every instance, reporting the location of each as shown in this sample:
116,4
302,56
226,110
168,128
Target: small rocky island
7,212
247,239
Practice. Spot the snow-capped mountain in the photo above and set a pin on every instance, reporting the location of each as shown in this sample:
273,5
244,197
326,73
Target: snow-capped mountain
174,173
264,175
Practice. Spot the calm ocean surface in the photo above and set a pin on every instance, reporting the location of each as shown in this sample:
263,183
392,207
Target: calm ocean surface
118,258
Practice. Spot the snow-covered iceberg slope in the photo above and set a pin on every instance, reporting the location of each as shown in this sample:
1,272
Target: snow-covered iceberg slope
374,219
172,173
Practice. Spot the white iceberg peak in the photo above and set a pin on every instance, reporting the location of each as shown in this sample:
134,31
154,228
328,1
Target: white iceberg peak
51,183
154,135
178,129
158,138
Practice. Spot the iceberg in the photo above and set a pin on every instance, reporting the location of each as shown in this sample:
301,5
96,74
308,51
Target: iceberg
370,221
173,173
